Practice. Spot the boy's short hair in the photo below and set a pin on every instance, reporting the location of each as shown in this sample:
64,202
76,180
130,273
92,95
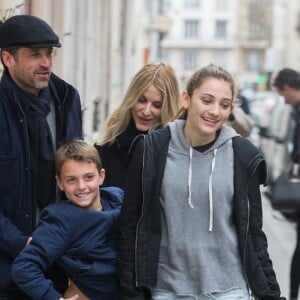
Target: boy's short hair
288,77
77,150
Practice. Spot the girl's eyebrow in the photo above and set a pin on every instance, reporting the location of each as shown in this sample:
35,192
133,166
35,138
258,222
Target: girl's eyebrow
227,99
207,95
212,96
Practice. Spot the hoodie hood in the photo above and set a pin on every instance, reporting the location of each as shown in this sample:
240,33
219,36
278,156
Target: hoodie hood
226,133
180,145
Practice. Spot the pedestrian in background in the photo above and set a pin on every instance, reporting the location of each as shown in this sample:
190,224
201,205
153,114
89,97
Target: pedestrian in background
240,122
240,119
287,84
151,100
244,102
191,220
79,233
38,110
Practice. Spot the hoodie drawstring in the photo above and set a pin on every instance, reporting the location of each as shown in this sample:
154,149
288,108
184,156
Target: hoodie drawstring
190,179
211,206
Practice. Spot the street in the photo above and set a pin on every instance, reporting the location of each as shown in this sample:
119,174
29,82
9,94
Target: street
281,236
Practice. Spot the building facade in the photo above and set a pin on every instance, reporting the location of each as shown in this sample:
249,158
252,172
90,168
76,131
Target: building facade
105,42
102,48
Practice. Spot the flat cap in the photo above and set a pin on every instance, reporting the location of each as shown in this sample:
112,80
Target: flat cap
27,31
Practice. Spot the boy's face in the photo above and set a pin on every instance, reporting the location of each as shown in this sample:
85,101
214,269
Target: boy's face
80,180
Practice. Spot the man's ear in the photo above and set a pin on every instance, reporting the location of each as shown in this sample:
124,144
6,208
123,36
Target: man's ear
286,87
7,59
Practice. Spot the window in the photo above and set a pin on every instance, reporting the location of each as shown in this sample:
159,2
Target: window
256,30
190,59
219,57
191,29
298,23
166,5
192,4
163,54
148,6
258,5
220,29
221,5
254,60
96,114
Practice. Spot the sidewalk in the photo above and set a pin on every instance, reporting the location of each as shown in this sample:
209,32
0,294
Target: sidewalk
281,235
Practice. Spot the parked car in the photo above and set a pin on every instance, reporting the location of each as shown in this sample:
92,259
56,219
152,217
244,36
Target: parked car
276,139
261,105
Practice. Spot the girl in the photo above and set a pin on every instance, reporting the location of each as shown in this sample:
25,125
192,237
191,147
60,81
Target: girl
191,221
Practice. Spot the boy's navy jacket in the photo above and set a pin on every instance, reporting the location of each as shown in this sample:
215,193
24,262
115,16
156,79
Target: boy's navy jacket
81,241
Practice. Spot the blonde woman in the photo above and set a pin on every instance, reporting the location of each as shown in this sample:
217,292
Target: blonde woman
152,99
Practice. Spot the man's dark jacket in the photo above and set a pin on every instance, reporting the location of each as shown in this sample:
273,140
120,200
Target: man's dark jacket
140,221
17,208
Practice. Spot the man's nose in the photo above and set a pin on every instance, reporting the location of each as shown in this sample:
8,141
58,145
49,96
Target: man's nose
46,61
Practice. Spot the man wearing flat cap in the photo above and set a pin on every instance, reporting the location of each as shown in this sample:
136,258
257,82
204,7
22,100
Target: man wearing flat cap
38,110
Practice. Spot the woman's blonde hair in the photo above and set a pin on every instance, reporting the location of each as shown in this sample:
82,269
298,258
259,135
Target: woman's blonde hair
160,75
196,80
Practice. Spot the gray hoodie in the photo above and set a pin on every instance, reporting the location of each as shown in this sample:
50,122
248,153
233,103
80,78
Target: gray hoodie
199,247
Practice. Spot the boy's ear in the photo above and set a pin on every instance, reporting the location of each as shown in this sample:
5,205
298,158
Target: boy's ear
102,176
59,184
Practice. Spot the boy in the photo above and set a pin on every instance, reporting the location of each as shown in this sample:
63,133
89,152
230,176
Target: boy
79,234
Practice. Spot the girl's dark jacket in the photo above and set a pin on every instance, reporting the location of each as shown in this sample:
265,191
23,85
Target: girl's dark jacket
17,208
140,221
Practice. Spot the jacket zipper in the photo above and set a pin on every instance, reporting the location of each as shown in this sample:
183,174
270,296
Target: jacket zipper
33,217
247,227
140,219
